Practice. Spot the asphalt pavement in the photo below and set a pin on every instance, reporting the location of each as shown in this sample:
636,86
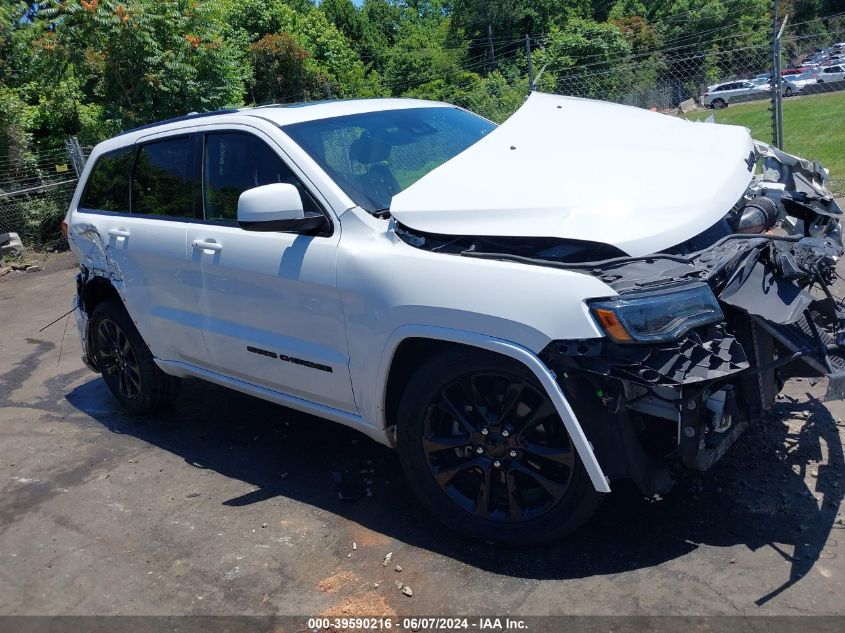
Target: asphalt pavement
230,505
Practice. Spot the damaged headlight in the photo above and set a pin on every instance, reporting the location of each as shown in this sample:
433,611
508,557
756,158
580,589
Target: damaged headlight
657,316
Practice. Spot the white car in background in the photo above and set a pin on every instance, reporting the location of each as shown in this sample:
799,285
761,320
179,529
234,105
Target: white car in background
720,95
832,73
521,328
794,84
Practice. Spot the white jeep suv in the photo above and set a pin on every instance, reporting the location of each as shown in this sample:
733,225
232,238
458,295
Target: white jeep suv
586,293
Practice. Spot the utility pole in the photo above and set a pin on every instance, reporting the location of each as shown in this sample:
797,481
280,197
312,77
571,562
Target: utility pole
490,51
775,79
530,66
780,82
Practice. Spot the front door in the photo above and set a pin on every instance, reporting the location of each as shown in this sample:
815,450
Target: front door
268,302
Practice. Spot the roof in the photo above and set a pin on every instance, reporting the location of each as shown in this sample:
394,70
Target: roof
287,113
281,114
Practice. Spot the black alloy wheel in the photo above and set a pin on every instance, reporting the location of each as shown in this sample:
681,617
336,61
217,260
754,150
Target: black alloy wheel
485,449
117,358
496,446
125,361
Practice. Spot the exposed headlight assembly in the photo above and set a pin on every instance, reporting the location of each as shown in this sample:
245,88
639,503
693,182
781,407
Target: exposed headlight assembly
657,316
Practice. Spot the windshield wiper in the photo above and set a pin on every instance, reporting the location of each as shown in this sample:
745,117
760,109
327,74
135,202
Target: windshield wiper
383,214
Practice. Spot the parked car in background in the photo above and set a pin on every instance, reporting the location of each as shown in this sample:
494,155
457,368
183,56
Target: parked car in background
794,84
832,60
832,73
720,95
760,80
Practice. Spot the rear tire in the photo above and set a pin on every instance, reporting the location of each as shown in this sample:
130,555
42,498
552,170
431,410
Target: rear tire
485,451
126,362
719,104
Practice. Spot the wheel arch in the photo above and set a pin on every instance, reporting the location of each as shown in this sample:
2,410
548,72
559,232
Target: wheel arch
96,290
400,359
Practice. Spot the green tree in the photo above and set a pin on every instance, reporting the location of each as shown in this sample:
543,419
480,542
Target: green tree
281,71
153,60
330,53
381,23
347,19
420,54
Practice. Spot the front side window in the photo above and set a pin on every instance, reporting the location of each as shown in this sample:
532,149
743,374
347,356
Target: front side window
234,162
375,155
108,184
162,182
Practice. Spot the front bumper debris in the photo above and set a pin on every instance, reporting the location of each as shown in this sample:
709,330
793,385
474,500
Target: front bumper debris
689,400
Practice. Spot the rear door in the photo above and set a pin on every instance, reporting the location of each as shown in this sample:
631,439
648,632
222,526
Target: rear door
140,199
268,302
725,92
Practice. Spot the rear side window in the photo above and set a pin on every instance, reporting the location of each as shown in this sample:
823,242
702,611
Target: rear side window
162,183
234,162
108,184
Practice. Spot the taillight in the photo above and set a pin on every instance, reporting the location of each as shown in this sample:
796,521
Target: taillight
64,228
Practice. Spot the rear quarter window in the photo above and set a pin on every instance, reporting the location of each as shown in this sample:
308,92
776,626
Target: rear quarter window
107,188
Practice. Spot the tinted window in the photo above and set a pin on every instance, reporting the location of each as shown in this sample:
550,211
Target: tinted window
108,184
234,162
162,184
375,155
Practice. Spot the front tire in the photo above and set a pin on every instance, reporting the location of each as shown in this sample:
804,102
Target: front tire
126,362
485,451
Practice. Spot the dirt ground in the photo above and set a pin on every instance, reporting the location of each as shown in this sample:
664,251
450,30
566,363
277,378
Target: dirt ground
230,505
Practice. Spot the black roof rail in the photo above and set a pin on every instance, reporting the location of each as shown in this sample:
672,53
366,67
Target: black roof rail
186,117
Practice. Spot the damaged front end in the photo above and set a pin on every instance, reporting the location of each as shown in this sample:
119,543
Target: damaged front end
701,338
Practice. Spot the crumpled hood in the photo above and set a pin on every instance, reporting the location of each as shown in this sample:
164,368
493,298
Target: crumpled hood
586,170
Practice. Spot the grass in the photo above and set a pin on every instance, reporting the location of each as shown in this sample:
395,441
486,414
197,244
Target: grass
813,128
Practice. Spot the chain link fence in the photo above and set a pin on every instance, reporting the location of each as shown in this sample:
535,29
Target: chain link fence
727,78
732,79
35,192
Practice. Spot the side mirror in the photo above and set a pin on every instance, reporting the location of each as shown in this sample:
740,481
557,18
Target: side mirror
276,207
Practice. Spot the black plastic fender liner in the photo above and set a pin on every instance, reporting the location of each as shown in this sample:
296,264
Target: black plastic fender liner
766,294
611,432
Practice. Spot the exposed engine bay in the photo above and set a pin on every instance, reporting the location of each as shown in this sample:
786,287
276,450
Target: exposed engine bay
701,336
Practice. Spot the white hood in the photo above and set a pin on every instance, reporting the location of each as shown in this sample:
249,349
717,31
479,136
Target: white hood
585,170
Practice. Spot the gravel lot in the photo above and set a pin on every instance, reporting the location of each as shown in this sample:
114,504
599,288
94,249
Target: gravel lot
229,505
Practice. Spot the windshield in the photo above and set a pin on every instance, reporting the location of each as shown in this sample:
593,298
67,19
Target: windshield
375,155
